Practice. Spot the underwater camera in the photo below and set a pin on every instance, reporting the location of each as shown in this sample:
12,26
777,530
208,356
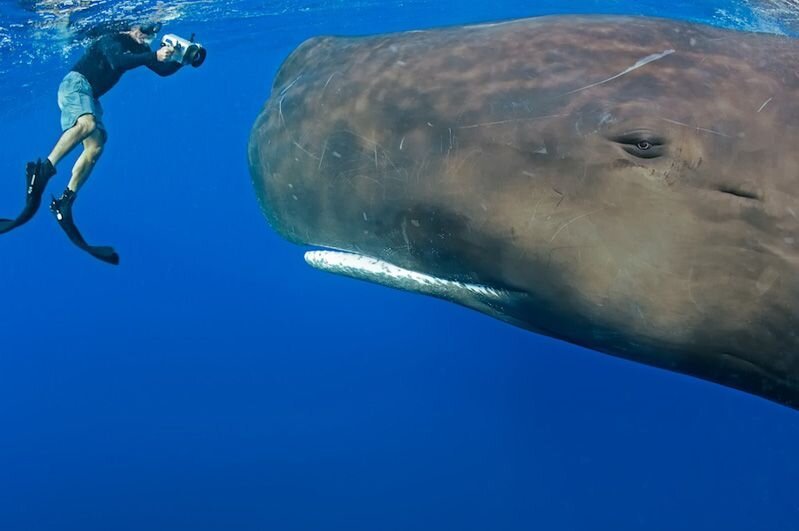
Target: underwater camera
187,52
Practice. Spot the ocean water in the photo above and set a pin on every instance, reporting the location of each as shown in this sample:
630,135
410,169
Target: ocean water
213,381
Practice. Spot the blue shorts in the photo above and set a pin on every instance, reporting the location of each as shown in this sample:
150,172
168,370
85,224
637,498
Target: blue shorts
76,98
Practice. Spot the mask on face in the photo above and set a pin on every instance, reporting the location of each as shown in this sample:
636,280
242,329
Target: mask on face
149,31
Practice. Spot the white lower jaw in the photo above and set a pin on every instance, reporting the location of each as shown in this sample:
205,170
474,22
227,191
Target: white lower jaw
482,298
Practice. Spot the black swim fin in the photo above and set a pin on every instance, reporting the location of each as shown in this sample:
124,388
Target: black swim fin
62,209
37,174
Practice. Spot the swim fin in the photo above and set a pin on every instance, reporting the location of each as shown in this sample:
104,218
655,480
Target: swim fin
37,174
62,209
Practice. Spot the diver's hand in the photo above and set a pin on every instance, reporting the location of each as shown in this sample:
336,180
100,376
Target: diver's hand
164,53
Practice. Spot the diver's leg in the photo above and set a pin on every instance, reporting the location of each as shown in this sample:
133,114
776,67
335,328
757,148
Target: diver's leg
62,207
37,174
85,126
81,116
92,149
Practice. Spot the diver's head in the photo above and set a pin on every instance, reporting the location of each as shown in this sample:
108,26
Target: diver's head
144,33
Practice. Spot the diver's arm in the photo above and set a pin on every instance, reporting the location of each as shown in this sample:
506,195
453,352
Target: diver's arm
162,65
119,59
164,69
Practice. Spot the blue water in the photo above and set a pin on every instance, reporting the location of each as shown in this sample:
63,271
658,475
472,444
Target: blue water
215,382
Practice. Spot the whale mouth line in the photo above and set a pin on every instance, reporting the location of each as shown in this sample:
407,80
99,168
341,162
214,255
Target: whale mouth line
375,270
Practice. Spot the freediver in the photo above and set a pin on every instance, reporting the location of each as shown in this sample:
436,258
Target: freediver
95,73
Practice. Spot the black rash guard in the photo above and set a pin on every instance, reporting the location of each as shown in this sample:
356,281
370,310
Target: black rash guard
110,56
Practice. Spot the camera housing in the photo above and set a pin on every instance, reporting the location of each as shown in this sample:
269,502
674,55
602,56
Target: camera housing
187,52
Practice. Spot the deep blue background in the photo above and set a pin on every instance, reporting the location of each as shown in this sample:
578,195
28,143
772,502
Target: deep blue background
213,381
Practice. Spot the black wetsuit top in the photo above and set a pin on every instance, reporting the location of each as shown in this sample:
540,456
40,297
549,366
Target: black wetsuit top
112,55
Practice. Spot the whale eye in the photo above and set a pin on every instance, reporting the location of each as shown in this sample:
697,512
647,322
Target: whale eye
642,144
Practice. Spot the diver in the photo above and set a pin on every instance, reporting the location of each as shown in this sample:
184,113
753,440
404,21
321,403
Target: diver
95,73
